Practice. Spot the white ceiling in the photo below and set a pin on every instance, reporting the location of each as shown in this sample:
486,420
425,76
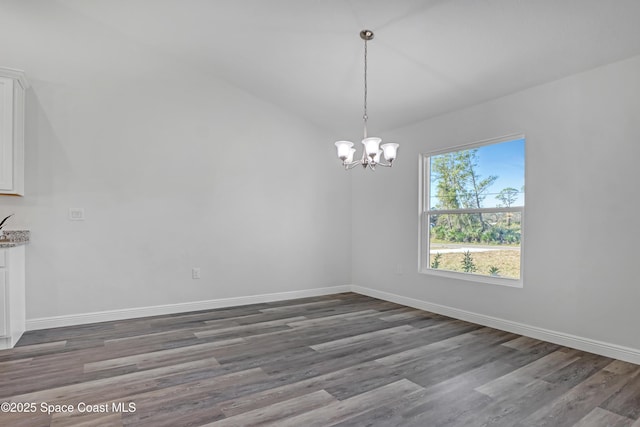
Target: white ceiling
428,56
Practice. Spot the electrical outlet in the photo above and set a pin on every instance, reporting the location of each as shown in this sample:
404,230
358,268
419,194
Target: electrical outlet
195,273
76,214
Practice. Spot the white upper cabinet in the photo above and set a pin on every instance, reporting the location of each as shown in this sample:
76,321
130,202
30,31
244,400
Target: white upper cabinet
12,87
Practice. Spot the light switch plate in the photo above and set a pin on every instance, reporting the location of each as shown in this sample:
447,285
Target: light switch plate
76,214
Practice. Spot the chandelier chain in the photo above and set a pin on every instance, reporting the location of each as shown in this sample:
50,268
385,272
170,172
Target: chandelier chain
365,117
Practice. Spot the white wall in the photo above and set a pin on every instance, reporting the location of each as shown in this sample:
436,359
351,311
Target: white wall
582,234
175,169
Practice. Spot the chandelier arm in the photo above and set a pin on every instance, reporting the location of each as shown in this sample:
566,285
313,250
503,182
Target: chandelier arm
352,165
386,165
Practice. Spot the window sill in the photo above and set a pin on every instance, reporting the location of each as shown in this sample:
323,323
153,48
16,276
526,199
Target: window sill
477,278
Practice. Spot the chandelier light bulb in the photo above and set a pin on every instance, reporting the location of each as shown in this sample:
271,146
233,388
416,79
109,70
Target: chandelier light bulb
390,150
371,145
376,157
350,156
344,148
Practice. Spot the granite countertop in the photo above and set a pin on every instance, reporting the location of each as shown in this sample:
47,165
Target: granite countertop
12,238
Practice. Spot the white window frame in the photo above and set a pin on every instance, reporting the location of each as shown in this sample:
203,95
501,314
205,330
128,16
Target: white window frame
424,212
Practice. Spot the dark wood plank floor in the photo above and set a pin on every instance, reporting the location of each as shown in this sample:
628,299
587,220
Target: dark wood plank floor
345,360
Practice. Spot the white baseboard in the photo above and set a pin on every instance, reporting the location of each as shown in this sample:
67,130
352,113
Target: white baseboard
5,343
131,313
627,354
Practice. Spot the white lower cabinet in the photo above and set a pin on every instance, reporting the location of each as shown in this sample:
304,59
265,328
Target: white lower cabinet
12,295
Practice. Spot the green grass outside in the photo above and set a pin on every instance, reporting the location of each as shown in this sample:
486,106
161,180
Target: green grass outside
507,261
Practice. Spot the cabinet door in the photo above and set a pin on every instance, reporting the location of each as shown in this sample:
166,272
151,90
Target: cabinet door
6,133
4,304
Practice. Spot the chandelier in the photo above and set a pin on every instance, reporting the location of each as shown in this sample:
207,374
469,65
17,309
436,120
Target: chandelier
372,150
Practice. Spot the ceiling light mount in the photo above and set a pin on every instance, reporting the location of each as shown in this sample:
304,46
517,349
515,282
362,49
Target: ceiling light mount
366,35
372,149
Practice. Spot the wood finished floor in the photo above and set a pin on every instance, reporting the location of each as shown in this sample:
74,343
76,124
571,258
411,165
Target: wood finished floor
344,360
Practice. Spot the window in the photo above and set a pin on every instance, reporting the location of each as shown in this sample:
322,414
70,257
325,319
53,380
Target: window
472,211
